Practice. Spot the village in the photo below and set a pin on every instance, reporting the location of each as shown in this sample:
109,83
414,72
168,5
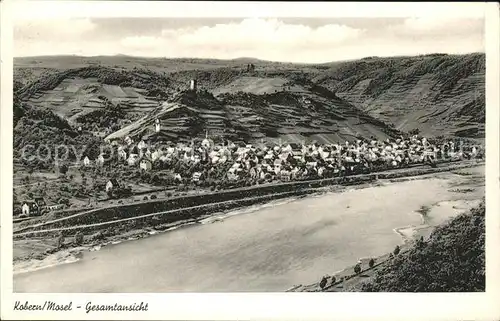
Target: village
142,168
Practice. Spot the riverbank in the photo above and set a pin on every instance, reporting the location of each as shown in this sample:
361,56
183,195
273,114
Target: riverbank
346,280
31,253
263,247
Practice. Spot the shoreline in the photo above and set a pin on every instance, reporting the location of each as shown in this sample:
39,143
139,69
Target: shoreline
407,242
69,252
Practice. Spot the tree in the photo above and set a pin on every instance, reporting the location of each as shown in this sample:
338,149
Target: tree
60,240
415,131
371,263
63,169
357,268
333,280
323,282
397,250
79,238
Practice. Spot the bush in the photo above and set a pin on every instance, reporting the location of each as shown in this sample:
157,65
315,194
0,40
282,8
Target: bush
60,240
153,197
397,249
333,280
357,268
371,263
79,238
323,282
145,198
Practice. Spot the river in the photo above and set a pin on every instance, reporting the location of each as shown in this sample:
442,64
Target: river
266,248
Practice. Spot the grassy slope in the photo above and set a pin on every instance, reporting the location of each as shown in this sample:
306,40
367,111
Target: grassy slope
452,260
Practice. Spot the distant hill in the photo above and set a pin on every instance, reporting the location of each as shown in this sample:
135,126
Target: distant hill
437,94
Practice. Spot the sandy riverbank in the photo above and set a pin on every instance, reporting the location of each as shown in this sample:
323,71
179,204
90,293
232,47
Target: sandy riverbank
438,214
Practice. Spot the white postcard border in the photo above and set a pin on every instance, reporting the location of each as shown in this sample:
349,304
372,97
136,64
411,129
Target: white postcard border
269,306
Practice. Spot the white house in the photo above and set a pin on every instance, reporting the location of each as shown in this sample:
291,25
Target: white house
26,209
54,207
132,159
145,164
157,126
196,176
122,155
112,183
86,161
155,155
142,144
128,140
193,84
100,160
109,186
30,208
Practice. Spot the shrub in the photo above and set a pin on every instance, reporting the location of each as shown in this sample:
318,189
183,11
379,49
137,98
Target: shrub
79,238
371,263
357,268
60,240
397,249
145,198
333,280
153,197
323,282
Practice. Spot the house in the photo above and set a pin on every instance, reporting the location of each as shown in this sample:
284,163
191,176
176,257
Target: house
40,202
157,126
142,145
54,207
100,160
30,208
111,184
86,161
156,155
132,159
128,140
145,164
196,176
193,84
122,155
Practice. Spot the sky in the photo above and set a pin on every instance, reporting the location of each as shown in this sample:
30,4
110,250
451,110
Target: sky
307,40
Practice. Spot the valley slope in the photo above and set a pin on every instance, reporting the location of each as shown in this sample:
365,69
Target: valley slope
435,94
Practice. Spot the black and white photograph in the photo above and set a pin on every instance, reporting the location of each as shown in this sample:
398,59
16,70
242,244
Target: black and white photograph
248,154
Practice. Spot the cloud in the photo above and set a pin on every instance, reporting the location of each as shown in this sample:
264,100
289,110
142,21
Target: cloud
265,33
439,26
269,39
138,42
56,29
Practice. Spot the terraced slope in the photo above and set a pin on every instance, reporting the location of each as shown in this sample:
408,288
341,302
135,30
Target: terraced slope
438,94
76,92
311,115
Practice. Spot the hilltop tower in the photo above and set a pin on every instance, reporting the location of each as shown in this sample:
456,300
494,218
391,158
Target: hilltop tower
157,125
193,85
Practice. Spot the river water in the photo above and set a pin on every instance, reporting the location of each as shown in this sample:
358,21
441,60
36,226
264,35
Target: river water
269,248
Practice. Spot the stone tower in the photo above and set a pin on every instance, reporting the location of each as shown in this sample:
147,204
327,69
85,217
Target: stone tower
193,84
157,126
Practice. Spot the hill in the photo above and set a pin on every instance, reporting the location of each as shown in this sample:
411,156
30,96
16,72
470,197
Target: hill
310,115
437,94
452,260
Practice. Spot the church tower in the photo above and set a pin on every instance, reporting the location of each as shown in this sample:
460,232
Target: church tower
157,125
